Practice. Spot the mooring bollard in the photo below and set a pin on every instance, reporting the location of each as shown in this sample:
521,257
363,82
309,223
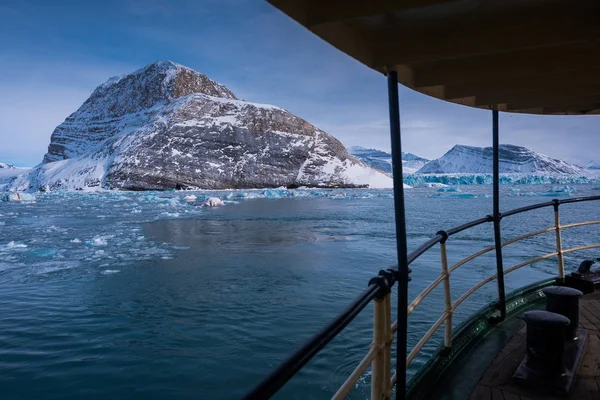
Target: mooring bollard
545,343
564,301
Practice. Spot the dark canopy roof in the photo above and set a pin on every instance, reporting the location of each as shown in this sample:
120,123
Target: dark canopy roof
530,56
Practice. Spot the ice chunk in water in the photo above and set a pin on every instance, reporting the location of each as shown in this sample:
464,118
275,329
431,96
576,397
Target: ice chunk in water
110,271
13,245
450,189
431,185
97,241
562,189
19,197
213,202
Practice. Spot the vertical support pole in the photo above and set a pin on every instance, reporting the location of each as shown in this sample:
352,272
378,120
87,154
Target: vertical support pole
498,217
561,259
401,248
447,297
387,350
378,364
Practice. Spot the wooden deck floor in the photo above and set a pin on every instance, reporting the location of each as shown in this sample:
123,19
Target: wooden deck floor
497,383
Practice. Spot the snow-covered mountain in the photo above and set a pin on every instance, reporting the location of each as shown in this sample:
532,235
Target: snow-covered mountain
6,166
383,160
594,165
167,126
513,159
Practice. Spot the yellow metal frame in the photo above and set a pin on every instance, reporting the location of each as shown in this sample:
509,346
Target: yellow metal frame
379,355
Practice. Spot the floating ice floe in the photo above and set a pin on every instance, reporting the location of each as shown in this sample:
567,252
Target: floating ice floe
562,189
110,271
13,245
97,241
213,202
190,197
450,189
19,197
455,195
431,185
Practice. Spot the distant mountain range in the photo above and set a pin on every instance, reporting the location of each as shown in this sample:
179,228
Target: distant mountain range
382,160
513,159
6,166
474,160
594,165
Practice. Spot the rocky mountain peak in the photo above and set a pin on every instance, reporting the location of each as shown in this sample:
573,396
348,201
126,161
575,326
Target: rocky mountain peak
157,83
130,98
166,126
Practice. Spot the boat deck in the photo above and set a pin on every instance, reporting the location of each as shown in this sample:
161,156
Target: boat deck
497,383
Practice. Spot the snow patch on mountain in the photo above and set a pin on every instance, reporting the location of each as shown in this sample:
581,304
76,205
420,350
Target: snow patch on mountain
383,160
513,159
8,175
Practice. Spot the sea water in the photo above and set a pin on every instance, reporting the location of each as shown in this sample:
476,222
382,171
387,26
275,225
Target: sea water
149,295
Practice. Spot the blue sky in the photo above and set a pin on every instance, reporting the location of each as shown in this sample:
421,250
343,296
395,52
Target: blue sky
54,53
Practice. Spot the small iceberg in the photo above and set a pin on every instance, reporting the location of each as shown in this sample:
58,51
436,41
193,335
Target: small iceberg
13,245
213,202
110,271
190,197
431,185
19,197
449,189
562,189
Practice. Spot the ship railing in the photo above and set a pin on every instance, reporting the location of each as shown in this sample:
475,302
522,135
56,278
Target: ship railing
379,356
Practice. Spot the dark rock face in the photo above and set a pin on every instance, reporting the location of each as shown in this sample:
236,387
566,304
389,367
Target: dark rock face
126,101
166,126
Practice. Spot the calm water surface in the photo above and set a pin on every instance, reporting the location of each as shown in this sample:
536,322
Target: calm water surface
143,295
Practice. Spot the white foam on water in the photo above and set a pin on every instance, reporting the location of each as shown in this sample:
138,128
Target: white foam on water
13,245
110,271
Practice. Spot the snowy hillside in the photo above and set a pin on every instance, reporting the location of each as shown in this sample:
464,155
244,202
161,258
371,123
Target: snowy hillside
167,126
7,175
513,159
383,160
593,165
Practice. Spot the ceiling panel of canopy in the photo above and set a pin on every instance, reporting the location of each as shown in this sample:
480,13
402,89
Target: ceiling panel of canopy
530,56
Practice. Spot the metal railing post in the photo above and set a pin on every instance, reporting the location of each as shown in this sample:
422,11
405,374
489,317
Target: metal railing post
387,349
559,251
401,247
447,296
497,217
378,364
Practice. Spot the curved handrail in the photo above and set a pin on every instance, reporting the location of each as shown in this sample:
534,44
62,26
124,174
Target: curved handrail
270,385
294,363
479,285
424,247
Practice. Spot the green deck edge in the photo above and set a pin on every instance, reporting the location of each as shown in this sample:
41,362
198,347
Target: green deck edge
431,381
